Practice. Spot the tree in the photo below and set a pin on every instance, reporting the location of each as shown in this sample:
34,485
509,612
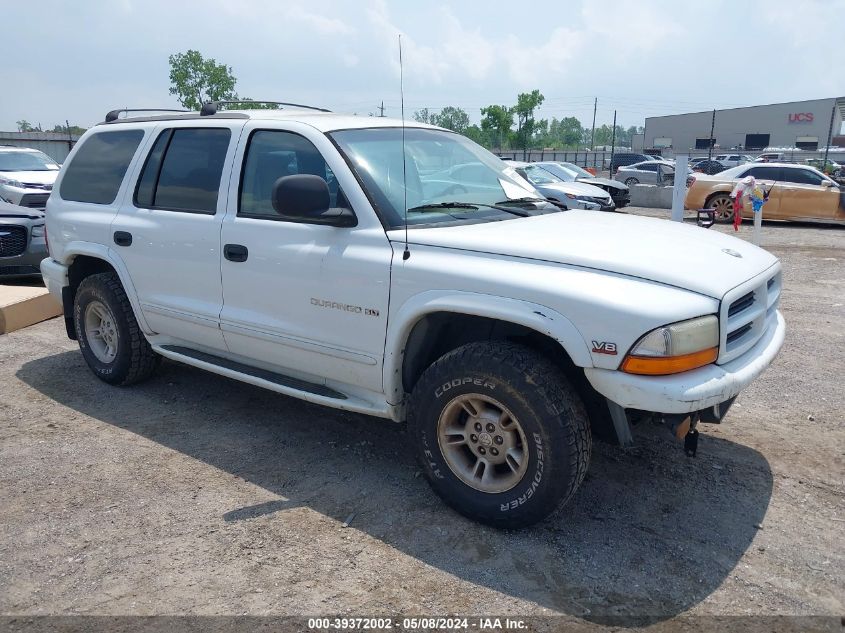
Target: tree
74,129
526,103
424,116
195,80
452,118
497,121
24,126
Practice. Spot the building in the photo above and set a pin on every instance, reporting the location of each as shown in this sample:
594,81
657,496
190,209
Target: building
56,145
798,124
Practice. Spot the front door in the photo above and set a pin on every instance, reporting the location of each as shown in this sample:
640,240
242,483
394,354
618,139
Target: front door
803,196
309,300
768,178
168,233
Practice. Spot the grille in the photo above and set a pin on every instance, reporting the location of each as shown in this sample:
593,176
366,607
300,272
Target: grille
19,270
746,313
741,304
38,185
12,240
34,200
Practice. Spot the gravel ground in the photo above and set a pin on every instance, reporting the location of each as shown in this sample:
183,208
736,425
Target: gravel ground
194,494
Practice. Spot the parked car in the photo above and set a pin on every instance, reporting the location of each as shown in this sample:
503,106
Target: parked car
830,168
708,167
650,172
696,159
574,195
301,251
732,160
624,158
770,157
26,176
570,172
22,245
796,192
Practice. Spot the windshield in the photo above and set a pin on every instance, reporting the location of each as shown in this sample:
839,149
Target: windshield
26,161
440,168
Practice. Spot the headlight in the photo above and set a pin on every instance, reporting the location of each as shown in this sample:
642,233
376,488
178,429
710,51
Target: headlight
38,230
11,182
674,348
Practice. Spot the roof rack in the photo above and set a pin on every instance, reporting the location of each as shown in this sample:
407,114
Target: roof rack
211,108
113,115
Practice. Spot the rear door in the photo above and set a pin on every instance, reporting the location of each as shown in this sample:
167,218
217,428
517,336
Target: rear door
168,230
769,178
803,195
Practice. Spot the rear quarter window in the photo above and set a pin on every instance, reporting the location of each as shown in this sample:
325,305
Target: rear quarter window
99,166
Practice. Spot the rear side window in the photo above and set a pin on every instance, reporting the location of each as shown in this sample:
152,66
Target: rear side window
765,173
96,171
183,171
802,177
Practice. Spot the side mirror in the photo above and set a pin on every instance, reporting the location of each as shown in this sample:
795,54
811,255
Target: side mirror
827,183
305,198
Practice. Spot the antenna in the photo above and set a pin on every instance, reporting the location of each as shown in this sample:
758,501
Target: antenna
406,254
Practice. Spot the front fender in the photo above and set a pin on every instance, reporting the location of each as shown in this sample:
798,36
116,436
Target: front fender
531,315
76,248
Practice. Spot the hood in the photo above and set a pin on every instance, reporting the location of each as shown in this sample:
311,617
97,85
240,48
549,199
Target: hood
574,188
32,177
668,252
14,211
604,182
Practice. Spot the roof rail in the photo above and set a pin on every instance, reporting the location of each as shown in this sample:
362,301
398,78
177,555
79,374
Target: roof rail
113,115
211,108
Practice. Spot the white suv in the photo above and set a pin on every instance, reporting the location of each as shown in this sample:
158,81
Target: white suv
271,246
26,176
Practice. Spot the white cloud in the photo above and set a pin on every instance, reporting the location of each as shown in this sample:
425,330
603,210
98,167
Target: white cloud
320,23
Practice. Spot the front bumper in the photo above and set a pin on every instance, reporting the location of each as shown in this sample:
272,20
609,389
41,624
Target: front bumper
27,263
692,390
54,275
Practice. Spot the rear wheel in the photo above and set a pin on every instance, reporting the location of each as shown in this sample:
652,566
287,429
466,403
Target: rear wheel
501,435
723,206
109,336
632,181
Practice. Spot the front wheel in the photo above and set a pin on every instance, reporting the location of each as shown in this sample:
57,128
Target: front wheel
501,435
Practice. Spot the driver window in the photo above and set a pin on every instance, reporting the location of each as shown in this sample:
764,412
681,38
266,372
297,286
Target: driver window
273,154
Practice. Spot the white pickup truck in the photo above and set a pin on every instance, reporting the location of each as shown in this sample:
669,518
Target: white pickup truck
346,261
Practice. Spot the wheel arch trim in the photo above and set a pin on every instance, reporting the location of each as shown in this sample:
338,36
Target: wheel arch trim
536,317
75,249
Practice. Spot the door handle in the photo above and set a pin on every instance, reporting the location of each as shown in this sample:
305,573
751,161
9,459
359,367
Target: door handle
122,238
235,252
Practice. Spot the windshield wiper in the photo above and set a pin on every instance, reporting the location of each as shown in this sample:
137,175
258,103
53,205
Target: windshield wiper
466,205
520,200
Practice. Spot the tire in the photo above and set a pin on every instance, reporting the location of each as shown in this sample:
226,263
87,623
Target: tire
632,181
120,355
723,205
543,423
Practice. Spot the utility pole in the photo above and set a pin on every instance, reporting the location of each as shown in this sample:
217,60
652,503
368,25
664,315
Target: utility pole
612,143
593,133
710,140
829,136
69,136
381,109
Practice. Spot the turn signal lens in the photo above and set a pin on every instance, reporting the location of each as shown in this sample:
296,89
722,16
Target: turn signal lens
656,366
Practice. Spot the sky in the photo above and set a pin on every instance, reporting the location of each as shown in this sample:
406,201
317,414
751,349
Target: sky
77,60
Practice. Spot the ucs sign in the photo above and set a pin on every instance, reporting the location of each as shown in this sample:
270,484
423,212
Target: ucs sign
801,117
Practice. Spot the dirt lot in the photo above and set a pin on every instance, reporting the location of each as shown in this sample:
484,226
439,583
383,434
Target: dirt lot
195,494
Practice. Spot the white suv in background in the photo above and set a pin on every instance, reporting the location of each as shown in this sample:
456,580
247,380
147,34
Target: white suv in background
360,264
26,176
732,160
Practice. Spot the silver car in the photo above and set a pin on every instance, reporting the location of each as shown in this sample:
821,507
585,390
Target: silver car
22,241
26,176
649,172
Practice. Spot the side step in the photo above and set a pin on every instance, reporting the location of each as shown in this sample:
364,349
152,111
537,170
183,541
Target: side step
287,385
255,372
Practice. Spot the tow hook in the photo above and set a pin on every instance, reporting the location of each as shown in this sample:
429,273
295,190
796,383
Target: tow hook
684,428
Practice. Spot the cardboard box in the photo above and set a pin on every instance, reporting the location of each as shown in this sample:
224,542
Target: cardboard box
22,306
